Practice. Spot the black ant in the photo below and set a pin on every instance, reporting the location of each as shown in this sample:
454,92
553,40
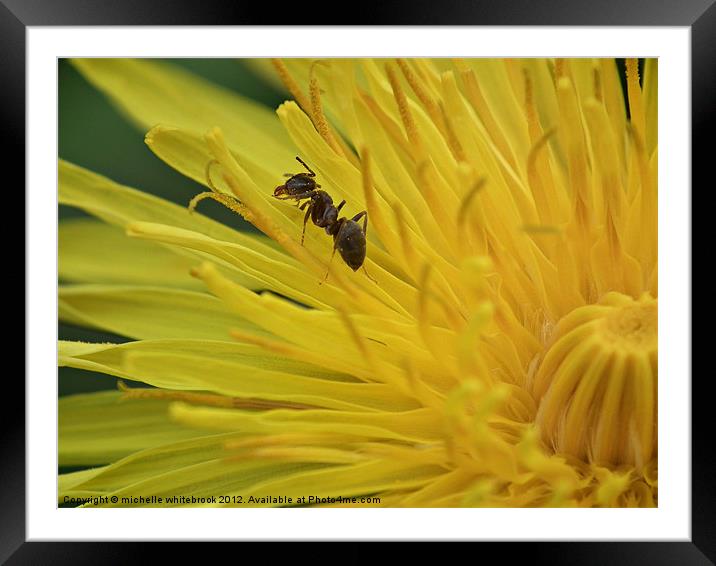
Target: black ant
348,236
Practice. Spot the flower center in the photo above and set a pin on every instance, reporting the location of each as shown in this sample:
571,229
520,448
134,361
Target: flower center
632,327
596,383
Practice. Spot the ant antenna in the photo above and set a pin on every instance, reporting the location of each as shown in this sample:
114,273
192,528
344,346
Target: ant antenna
306,166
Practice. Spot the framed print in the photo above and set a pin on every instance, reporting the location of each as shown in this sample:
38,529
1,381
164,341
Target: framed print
361,283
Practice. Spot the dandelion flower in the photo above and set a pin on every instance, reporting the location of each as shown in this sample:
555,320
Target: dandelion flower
501,350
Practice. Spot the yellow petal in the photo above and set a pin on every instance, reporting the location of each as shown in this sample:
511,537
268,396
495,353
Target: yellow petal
357,343
221,368
348,481
420,425
614,102
503,101
148,312
118,204
187,152
245,354
154,92
281,274
197,467
95,252
651,103
67,482
99,428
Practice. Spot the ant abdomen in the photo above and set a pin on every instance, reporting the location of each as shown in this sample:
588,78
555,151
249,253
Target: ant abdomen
351,244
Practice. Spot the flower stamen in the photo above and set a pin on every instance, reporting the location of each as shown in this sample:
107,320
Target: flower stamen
411,130
434,110
318,117
207,399
636,102
479,222
292,86
387,123
207,175
228,201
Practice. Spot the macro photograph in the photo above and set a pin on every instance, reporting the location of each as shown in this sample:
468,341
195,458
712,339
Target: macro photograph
360,283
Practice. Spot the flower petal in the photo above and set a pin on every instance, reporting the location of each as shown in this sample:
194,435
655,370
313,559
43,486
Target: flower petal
154,92
95,252
420,425
149,312
234,370
197,467
369,347
186,151
502,100
228,351
365,478
99,428
651,103
118,204
281,274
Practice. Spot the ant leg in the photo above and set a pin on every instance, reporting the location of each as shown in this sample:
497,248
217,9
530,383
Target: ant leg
360,215
312,174
356,218
338,208
207,173
305,218
335,246
329,265
299,198
368,275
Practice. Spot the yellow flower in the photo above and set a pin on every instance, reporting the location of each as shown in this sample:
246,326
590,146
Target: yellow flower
500,350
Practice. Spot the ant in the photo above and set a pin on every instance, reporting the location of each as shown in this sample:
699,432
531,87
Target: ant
348,236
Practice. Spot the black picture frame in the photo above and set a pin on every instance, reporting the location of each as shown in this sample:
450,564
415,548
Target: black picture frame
17,15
